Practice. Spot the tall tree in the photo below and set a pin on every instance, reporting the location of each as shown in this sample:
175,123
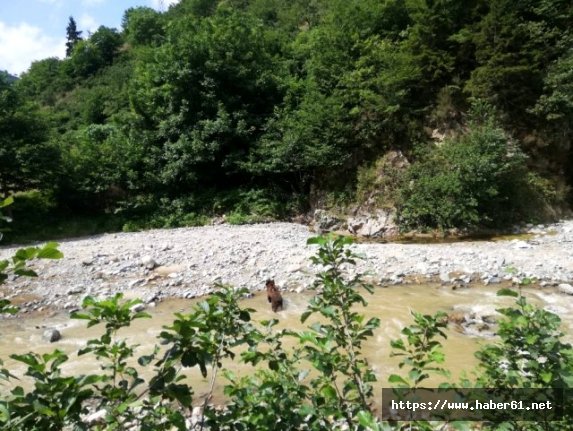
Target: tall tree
515,42
27,160
74,36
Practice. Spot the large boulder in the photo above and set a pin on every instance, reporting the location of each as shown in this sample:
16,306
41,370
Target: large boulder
324,221
379,224
373,215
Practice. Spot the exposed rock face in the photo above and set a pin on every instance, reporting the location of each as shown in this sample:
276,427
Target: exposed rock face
379,224
326,222
374,215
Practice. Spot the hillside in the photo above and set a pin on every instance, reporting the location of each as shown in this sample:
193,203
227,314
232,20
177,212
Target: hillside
266,110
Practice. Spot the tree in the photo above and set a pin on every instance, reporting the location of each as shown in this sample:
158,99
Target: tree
95,53
74,36
44,81
142,26
206,95
476,179
26,158
514,43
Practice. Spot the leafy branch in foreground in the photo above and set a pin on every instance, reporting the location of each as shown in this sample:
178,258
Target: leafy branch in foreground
17,265
48,383
117,384
336,391
530,353
55,401
343,386
422,352
206,336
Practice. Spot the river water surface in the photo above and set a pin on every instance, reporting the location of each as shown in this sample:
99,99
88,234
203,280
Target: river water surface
392,305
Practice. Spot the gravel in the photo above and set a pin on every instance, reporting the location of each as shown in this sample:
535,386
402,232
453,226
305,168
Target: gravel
187,262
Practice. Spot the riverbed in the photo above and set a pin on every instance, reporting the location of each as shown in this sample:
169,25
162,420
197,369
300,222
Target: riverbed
171,269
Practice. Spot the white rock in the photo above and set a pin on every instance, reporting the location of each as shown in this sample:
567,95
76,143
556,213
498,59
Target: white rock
565,288
133,283
148,262
516,244
444,277
52,335
137,308
96,417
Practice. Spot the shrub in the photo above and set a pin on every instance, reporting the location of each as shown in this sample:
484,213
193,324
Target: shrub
378,184
250,206
470,181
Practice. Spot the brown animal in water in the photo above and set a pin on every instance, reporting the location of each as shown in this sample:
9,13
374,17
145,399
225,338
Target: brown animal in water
273,295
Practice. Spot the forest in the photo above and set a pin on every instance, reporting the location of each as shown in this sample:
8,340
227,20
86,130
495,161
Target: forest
265,110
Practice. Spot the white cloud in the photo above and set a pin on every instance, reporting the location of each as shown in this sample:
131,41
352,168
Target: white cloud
23,43
162,4
53,2
87,23
90,2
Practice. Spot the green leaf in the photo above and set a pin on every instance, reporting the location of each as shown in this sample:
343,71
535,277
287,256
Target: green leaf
507,292
25,272
318,240
546,376
7,201
366,420
396,379
328,392
145,360
50,251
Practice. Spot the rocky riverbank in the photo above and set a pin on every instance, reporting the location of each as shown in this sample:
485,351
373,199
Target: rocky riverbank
187,262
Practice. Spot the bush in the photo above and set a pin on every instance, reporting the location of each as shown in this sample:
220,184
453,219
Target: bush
474,180
30,209
250,206
378,184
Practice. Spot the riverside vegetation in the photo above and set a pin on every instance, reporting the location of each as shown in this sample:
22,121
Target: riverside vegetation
264,109
322,383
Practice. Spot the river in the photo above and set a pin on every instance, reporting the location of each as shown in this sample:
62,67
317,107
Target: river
392,305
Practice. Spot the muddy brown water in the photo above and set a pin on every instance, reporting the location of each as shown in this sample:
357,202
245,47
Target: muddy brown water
392,305
437,238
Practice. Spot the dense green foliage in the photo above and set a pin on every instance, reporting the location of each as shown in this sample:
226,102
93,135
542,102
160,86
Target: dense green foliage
323,382
477,178
209,99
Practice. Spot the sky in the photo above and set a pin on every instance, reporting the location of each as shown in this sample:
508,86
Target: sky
36,29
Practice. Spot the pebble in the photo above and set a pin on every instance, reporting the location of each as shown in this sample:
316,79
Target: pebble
52,335
148,262
248,255
75,290
444,277
137,308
